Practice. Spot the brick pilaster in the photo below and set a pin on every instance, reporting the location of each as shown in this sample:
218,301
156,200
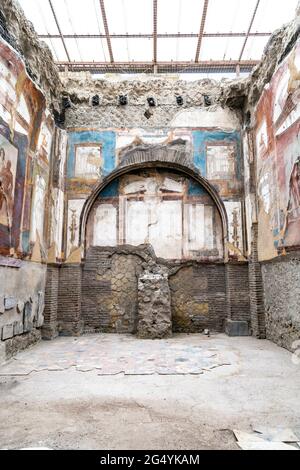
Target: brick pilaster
257,307
49,329
237,291
69,300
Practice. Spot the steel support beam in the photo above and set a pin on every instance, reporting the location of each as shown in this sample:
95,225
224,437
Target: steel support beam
201,32
106,29
150,36
61,36
174,67
249,29
154,33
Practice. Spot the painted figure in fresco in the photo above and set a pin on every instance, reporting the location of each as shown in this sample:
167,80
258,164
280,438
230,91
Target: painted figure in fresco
2,158
292,218
235,228
294,201
73,227
6,187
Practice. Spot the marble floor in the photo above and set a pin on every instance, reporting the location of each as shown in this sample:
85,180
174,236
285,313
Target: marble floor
108,391
111,354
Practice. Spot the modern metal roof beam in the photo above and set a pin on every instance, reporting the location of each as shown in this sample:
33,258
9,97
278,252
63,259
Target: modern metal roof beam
106,29
175,67
59,30
249,29
149,35
154,33
201,32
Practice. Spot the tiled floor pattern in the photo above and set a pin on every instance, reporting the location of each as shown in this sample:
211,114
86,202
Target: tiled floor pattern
114,354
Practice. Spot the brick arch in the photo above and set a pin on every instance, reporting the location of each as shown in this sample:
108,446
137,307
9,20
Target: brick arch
172,157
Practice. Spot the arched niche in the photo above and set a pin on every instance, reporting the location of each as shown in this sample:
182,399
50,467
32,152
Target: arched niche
145,165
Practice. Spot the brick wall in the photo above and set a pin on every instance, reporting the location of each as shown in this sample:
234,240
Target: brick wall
256,289
237,288
69,300
102,294
49,330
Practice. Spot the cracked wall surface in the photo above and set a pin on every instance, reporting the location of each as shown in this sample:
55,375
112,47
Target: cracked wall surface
173,213
19,32
57,144
112,293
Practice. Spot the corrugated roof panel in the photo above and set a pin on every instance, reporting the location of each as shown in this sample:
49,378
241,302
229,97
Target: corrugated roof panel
221,48
179,16
40,14
175,49
127,50
254,48
129,16
229,15
77,17
272,14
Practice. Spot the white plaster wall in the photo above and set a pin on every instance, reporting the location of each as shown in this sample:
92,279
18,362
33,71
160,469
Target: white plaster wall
105,226
216,117
24,282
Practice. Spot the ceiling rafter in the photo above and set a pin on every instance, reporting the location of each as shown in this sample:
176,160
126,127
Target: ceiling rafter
150,35
201,32
59,30
249,29
106,29
154,34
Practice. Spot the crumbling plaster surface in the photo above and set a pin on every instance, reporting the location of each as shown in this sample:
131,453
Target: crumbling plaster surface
112,293
37,56
21,306
205,101
279,45
24,283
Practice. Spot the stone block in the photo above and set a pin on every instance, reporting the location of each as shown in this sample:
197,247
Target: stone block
10,302
40,321
2,352
2,306
18,328
49,331
7,331
27,317
237,328
20,307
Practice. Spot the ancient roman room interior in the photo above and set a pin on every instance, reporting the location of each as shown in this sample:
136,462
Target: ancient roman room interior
150,224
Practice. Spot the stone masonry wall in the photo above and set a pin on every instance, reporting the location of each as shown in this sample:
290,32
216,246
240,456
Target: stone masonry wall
281,281
103,295
154,305
110,290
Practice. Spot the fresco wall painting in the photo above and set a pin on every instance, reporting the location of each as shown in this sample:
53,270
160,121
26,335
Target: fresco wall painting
277,148
217,154
25,144
155,207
